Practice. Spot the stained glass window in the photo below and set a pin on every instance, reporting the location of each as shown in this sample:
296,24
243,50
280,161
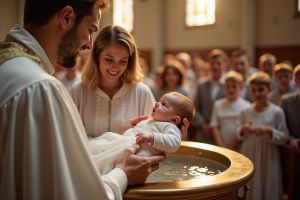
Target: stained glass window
123,14
199,12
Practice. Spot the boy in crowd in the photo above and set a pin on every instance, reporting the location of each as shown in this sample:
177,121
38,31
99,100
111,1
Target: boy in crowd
226,111
283,75
208,91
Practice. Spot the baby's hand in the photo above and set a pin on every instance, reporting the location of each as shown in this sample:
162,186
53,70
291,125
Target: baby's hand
144,138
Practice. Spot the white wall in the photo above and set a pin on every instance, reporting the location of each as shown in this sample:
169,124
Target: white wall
226,32
276,24
8,15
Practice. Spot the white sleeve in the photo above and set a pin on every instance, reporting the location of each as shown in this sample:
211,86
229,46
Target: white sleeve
169,140
115,183
280,130
43,152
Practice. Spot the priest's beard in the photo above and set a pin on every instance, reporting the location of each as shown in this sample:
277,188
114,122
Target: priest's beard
68,48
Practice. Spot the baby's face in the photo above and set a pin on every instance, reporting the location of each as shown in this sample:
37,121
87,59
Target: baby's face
164,109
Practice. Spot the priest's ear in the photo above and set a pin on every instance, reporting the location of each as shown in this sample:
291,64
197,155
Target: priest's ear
67,17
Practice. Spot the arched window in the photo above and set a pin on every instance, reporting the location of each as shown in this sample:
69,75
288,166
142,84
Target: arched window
123,14
199,12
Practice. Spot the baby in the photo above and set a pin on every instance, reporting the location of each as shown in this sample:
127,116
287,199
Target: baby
161,133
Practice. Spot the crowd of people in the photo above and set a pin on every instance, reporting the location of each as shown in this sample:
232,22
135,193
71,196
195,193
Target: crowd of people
57,127
244,107
252,109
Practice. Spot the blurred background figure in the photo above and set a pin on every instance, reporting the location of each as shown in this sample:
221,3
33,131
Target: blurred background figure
201,68
68,76
262,131
291,107
283,75
158,80
208,91
146,71
186,61
241,63
226,112
266,64
173,79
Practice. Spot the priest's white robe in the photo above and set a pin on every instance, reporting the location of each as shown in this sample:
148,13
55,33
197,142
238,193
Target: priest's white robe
43,153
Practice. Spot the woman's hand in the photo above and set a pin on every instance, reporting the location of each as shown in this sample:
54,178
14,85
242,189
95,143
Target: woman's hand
135,121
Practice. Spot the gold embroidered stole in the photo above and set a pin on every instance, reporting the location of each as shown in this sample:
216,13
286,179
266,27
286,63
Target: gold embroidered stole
11,48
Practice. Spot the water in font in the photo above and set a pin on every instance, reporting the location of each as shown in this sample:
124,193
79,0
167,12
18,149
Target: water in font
185,167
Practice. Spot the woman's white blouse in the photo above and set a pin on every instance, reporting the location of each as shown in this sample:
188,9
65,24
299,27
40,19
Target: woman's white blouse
100,113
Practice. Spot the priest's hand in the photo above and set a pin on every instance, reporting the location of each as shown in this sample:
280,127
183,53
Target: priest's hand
137,168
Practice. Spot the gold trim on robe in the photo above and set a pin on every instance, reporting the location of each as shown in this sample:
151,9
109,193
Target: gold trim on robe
10,49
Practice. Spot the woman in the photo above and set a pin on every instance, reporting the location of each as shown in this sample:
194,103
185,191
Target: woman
111,91
173,79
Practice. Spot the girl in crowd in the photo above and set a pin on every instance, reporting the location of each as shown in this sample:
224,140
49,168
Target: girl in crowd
263,128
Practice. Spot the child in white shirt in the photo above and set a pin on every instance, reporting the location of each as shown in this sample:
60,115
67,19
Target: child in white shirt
226,111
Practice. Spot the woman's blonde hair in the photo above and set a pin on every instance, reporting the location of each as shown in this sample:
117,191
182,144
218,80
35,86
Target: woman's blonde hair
107,36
